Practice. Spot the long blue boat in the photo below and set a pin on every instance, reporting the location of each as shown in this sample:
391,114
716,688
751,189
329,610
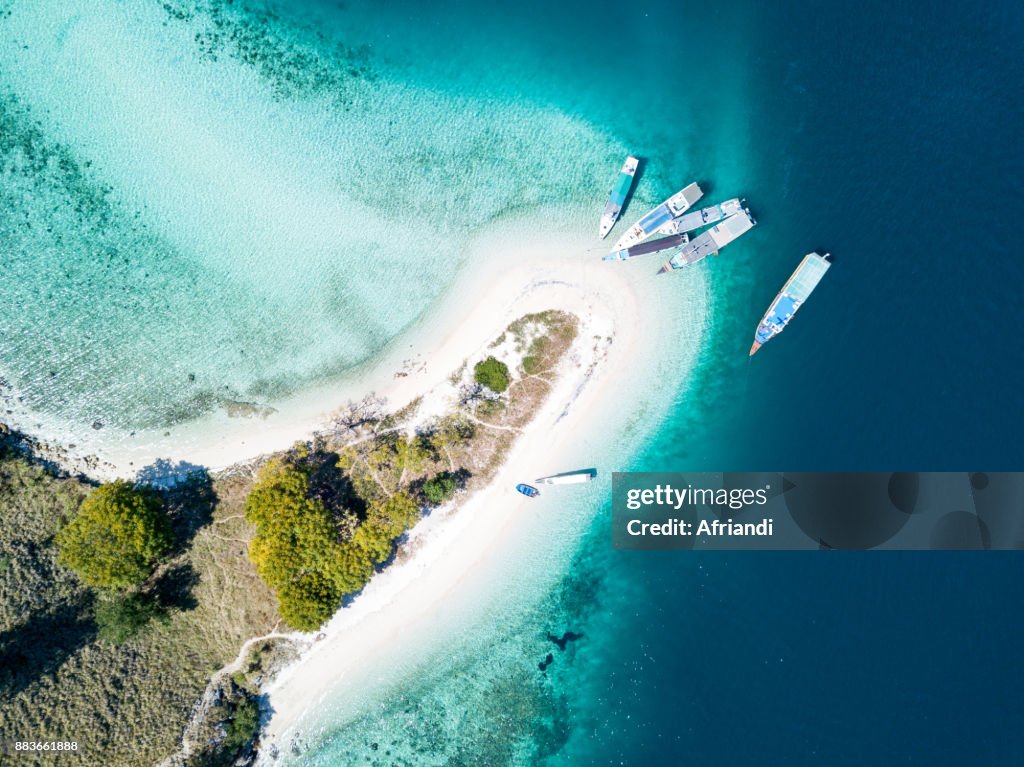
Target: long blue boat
792,296
660,218
618,196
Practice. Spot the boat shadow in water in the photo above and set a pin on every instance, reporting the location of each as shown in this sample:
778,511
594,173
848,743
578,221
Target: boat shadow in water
641,167
561,642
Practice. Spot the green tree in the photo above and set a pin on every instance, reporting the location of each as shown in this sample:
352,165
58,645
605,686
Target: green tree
119,618
296,546
116,537
243,725
298,550
385,521
439,488
492,373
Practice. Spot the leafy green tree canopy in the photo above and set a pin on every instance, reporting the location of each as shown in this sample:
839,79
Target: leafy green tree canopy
116,537
492,373
298,548
439,488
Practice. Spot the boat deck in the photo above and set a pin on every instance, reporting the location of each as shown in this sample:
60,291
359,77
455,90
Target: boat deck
695,250
714,238
710,215
648,247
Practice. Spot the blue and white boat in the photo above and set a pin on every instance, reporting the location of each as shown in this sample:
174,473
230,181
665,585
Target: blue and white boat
695,219
528,490
711,241
792,296
618,196
660,219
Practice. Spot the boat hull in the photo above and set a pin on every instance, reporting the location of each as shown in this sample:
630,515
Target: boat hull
792,296
617,196
568,478
660,218
710,242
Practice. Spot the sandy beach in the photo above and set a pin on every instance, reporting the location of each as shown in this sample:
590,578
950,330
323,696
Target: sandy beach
453,553
454,556
510,270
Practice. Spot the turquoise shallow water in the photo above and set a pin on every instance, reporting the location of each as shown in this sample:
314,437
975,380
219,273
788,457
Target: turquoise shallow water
216,190
869,131
204,204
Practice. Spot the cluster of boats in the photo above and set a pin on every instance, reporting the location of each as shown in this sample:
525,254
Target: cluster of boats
668,228
674,221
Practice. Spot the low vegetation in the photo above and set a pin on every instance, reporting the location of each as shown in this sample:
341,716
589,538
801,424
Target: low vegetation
117,654
120,617
232,727
492,373
440,488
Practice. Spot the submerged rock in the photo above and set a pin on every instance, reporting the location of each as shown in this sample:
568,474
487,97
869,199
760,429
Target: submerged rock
238,409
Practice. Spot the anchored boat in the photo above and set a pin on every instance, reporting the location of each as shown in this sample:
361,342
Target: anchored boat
651,246
792,296
695,219
659,219
528,490
618,196
568,477
711,241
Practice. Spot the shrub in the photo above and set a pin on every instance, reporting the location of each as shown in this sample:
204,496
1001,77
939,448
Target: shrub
440,488
531,365
116,537
492,373
243,725
121,617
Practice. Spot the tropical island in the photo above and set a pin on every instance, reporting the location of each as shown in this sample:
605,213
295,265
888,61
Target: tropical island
172,600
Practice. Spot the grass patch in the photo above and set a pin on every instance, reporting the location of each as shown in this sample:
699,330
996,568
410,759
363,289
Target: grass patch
125,698
121,675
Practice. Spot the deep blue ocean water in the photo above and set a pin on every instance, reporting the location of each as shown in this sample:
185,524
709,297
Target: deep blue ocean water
888,135
883,132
